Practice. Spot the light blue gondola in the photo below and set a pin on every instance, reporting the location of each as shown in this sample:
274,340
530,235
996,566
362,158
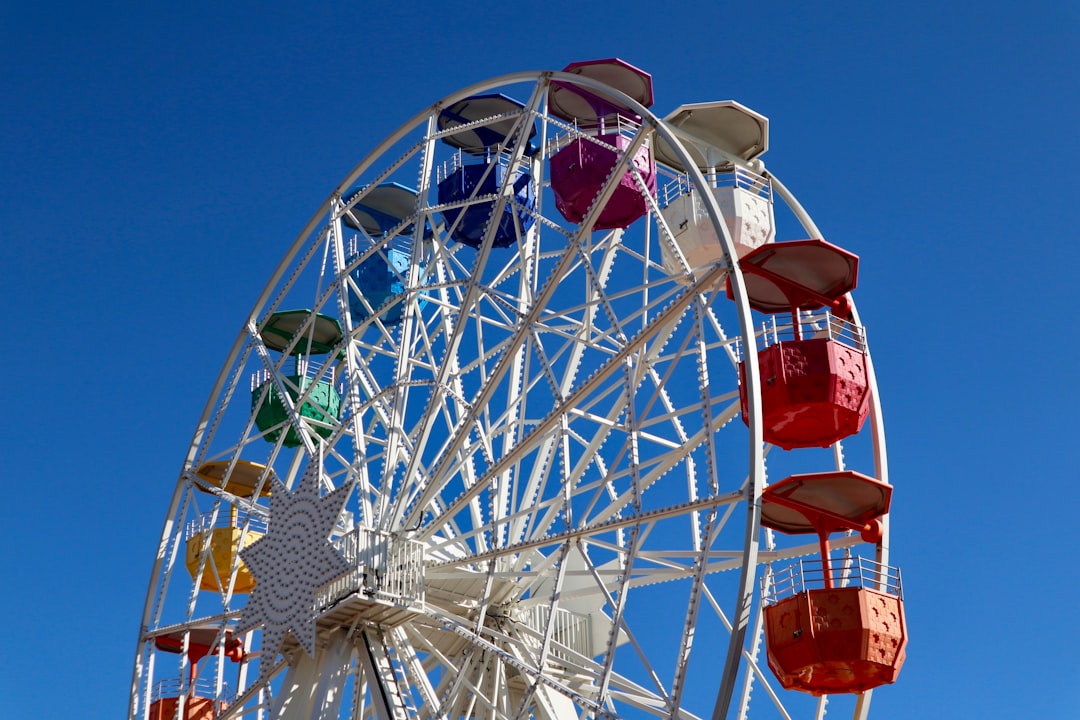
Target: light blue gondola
381,277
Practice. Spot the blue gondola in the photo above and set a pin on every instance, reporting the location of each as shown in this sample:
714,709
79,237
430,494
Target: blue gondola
381,277
494,142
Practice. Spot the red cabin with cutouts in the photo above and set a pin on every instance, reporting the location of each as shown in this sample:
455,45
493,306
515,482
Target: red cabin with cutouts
814,375
199,702
832,626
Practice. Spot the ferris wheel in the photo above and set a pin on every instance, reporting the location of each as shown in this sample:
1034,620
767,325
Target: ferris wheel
541,416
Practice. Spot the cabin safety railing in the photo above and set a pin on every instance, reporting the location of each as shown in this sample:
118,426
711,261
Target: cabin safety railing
402,242
846,572
495,155
203,688
612,125
740,179
301,368
206,522
812,325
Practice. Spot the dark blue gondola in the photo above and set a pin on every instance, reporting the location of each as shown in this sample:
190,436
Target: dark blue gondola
492,141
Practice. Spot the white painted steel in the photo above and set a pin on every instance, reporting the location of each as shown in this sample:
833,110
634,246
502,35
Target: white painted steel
553,508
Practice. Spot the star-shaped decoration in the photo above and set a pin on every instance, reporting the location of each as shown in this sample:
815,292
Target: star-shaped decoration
291,562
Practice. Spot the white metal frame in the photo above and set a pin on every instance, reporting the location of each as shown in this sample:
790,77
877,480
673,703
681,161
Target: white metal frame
521,516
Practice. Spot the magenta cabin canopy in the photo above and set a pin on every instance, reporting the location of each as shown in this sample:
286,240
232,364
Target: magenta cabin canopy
575,103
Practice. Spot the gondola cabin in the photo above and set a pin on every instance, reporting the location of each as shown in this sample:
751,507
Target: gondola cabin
733,137
380,281
384,215
213,541
814,375
165,707
202,701
834,626
309,390
490,172
601,135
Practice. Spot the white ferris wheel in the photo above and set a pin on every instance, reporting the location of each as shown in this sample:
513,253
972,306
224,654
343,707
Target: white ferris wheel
493,441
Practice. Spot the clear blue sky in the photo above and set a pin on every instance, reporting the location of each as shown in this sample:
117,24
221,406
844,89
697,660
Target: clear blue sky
157,162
